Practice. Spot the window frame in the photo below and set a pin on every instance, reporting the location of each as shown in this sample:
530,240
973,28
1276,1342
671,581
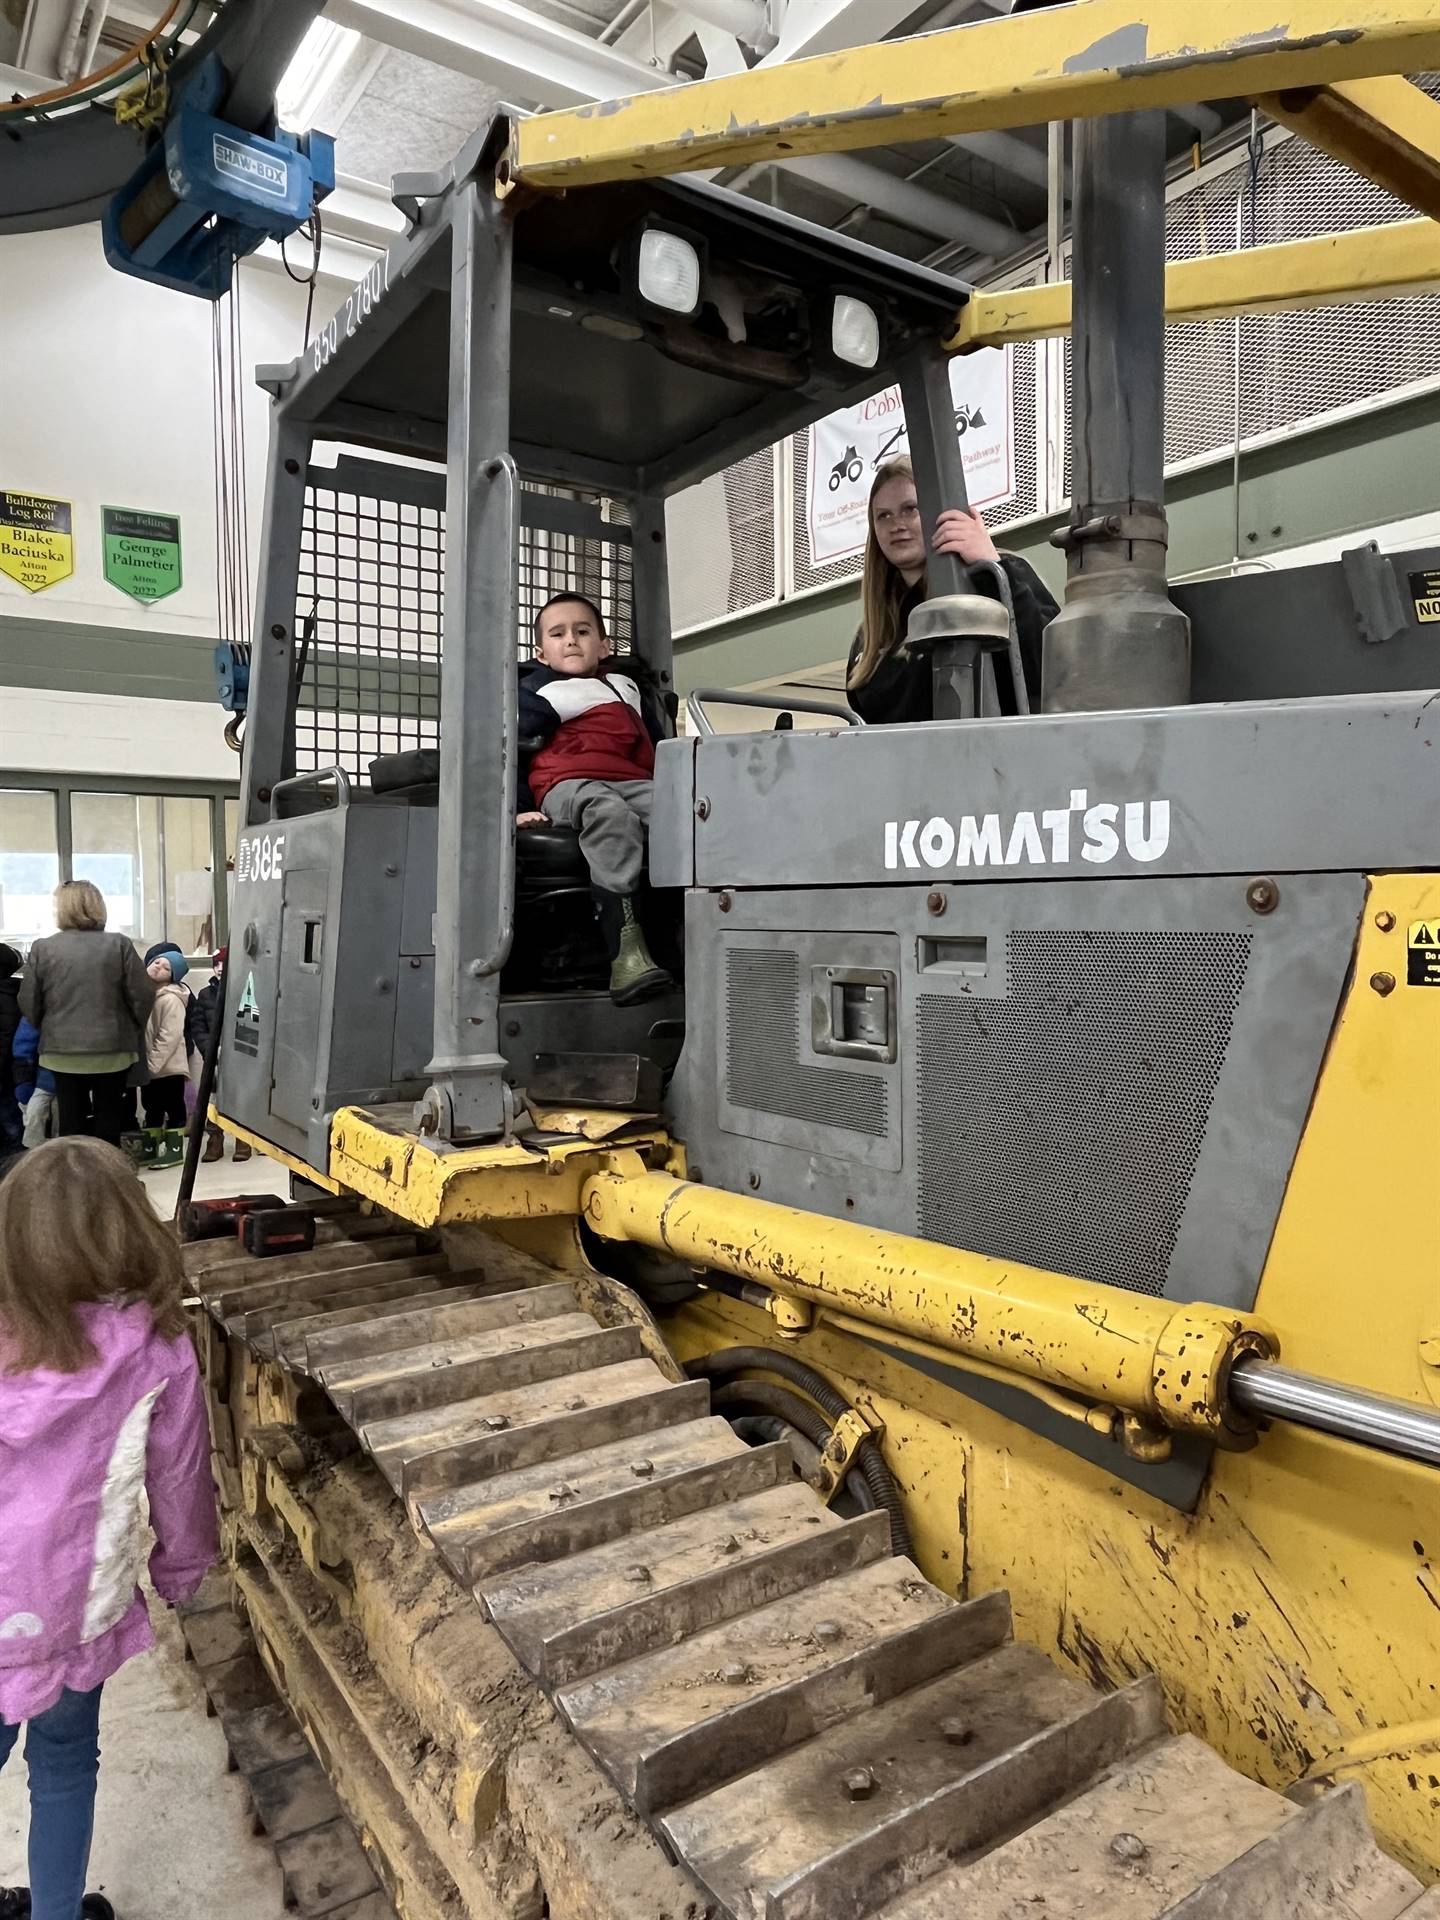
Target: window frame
64,786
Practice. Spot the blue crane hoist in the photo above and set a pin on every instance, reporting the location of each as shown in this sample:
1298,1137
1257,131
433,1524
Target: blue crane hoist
207,193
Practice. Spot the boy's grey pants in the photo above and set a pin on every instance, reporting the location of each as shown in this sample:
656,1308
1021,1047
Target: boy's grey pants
611,817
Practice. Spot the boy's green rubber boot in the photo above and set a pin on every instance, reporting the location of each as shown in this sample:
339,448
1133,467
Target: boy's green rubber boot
634,974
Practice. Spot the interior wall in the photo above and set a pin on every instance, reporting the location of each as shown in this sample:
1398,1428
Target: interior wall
105,399
1300,499
52,730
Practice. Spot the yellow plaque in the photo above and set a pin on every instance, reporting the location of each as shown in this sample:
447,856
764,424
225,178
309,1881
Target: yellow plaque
37,540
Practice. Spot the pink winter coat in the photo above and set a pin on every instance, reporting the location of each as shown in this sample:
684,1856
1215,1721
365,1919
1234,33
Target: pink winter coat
79,1455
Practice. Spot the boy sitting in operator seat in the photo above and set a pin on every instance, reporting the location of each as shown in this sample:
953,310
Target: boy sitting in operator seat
592,771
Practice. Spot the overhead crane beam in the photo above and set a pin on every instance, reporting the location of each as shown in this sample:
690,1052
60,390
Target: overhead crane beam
1370,263
1066,63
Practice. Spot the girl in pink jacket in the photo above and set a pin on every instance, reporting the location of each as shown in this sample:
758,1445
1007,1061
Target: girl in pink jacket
100,1412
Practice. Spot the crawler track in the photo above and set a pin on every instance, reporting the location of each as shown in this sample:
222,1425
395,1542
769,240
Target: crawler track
810,1727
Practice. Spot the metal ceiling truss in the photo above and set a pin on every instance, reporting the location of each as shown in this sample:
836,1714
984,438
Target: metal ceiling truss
528,58
521,54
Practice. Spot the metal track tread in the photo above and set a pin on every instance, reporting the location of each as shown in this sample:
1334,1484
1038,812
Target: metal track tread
812,1729
324,1874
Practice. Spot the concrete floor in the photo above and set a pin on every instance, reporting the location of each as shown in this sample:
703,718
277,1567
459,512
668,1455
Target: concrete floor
172,1840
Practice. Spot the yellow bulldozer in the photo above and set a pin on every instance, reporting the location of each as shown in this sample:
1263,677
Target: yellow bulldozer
939,1413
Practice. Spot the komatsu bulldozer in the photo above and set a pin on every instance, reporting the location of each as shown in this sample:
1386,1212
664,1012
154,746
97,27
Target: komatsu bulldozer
938,1415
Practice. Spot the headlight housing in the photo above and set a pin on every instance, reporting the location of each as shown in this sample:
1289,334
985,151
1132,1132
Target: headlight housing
854,332
667,270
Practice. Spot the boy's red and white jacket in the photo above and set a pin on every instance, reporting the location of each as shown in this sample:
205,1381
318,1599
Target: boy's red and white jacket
591,728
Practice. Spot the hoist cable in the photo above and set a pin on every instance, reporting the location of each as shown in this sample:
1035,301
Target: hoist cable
233,600
312,231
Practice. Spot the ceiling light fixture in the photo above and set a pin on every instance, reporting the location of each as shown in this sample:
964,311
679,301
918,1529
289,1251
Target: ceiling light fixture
314,72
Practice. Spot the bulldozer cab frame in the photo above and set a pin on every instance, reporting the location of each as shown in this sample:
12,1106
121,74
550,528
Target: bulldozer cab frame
510,336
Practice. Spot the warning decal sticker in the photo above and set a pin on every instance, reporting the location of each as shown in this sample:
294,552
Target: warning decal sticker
1423,953
37,540
1425,596
247,1020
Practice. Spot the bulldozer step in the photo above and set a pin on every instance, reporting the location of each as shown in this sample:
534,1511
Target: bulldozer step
810,1728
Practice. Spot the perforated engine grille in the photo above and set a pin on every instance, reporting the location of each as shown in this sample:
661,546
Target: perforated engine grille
1062,1124
763,1068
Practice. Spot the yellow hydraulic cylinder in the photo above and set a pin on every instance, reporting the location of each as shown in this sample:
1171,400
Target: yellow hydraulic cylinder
1165,1362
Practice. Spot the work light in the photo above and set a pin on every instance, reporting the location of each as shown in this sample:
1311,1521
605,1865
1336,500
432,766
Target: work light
854,331
669,271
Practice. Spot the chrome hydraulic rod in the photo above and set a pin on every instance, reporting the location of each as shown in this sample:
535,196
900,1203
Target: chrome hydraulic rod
1270,1392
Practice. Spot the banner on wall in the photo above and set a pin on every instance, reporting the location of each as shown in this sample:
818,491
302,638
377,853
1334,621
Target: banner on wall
142,552
847,447
37,539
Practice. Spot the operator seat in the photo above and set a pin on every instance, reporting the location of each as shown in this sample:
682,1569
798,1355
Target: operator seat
548,853
557,944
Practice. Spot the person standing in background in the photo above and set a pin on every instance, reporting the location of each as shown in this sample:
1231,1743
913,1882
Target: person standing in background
166,1055
34,1085
206,1001
87,992
12,1124
884,683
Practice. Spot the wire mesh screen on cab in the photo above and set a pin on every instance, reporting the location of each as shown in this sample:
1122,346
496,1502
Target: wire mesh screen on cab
369,611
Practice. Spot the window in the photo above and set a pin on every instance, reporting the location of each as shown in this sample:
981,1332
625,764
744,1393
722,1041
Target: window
29,865
151,856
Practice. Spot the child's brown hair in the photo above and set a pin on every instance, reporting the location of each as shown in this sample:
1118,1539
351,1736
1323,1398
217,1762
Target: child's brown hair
77,1226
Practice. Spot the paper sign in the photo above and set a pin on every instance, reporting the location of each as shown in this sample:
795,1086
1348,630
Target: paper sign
847,447
142,552
37,540
193,893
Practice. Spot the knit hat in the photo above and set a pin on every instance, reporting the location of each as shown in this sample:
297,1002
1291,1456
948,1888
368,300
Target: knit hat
162,949
10,961
179,965
220,956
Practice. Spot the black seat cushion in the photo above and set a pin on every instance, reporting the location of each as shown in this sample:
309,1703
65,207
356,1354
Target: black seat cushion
545,856
550,854
398,772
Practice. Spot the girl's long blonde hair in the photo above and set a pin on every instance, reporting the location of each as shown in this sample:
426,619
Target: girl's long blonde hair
76,1226
882,586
